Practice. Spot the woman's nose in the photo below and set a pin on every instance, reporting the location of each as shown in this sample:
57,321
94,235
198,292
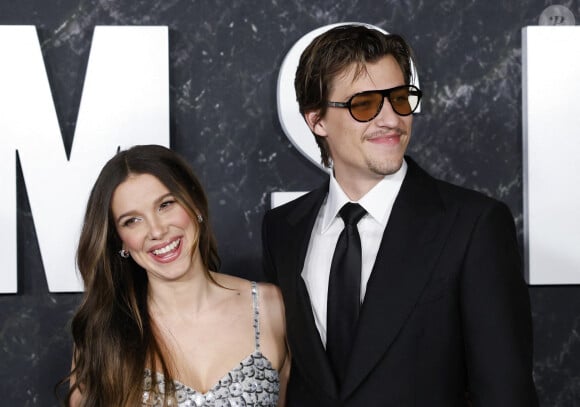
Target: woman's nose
157,229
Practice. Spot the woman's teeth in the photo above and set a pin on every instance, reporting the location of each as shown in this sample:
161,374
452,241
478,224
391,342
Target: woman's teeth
171,246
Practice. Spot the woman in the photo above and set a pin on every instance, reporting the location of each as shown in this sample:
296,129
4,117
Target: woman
158,325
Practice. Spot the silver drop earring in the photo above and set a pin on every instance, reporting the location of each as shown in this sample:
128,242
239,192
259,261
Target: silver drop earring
124,253
199,218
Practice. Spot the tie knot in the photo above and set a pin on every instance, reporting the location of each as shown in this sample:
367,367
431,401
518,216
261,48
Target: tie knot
351,213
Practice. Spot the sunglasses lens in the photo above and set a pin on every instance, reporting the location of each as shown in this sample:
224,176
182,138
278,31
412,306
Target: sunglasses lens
404,101
365,106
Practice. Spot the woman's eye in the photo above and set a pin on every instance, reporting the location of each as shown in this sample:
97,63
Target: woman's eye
130,221
166,204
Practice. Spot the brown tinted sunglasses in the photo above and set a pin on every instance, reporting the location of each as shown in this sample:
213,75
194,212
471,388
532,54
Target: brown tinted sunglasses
365,106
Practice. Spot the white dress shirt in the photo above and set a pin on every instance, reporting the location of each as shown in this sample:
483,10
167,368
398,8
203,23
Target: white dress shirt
378,203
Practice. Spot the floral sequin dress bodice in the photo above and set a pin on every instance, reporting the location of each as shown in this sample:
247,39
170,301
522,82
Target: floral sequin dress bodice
253,383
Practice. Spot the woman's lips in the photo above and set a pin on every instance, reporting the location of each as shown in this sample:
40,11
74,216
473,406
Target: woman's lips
168,252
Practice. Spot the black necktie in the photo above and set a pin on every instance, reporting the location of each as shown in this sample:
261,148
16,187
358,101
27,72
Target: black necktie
344,291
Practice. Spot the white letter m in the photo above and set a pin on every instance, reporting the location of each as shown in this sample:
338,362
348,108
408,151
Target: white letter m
125,102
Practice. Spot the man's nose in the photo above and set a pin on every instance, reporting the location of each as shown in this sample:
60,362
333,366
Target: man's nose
387,116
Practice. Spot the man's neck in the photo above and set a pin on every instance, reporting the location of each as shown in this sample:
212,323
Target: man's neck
357,185
356,190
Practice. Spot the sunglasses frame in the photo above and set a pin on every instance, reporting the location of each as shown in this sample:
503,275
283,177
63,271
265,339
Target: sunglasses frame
413,90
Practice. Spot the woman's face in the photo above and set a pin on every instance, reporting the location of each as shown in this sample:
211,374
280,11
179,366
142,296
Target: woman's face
154,228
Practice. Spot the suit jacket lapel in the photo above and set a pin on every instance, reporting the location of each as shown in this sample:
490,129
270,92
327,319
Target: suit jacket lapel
307,349
410,245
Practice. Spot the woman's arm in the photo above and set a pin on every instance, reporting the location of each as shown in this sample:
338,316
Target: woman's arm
275,345
284,376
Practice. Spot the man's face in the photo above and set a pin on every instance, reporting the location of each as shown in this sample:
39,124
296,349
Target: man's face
363,153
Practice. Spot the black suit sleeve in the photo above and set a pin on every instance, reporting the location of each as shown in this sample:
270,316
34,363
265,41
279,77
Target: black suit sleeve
267,263
496,315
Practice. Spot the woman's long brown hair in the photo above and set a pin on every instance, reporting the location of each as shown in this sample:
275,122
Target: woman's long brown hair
114,336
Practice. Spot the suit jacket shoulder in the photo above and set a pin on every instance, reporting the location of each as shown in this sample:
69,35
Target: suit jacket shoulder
448,194
299,206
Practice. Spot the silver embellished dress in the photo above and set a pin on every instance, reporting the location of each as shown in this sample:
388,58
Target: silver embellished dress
253,383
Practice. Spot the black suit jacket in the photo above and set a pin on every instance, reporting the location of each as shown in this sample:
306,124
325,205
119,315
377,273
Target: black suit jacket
446,311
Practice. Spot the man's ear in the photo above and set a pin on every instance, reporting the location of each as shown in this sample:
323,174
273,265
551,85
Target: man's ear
315,123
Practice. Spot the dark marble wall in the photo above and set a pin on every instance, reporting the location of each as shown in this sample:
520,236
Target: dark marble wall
224,58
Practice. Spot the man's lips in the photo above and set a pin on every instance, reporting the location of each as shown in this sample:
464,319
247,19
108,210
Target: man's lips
385,139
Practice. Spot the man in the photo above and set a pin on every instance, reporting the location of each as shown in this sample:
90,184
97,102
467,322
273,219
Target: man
441,315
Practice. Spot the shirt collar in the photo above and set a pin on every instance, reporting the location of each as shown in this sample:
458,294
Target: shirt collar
377,202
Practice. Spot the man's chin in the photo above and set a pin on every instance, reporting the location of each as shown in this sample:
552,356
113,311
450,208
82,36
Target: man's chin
387,167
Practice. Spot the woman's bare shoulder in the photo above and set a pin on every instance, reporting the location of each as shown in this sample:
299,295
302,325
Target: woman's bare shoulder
272,304
270,293
231,282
